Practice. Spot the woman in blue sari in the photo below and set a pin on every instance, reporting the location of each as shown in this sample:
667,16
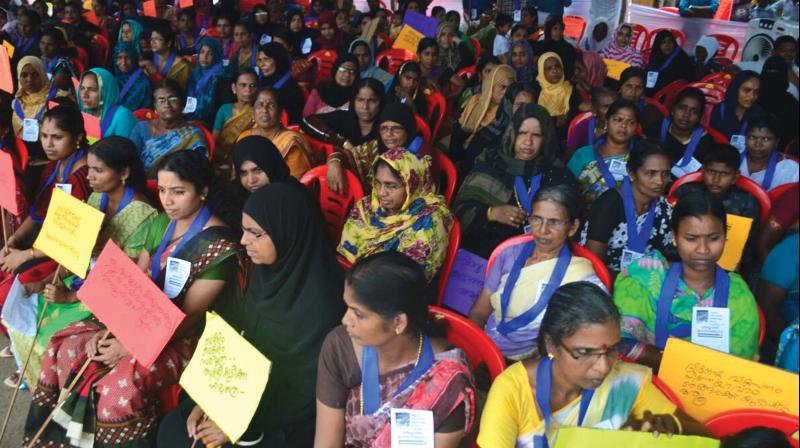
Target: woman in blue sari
204,82
129,32
134,88
362,50
98,95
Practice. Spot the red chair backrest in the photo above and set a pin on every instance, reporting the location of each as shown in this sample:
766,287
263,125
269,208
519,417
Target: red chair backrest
722,79
391,59
726,43
679,36
453,242
537,35
574,27
639,37
334,207
101,45
151,192
437,107
732,422
423,129
777,192
22,153
477,46
212,145
324,60
664,111
667,94
144,114
320,150
599,267
714,93
467,72
718,137
745,183
467,336
572,128
447,176
285,118
667,391
169,398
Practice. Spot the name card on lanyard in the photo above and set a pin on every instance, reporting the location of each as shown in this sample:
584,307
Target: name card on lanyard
738,141
687,164
637,238
30,126
525,195
544,386
612,172
412,428
191,100
177,271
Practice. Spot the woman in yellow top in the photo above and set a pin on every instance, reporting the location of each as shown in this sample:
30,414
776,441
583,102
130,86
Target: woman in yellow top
30,101
294,148
480,110
579,382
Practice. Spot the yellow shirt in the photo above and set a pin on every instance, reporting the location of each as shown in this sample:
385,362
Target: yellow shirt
511,418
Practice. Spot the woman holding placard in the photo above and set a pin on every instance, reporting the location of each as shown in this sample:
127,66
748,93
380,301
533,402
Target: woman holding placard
693,298
98,95
190,253
386,370
577,381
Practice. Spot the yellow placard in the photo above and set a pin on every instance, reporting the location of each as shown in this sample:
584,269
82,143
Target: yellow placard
9,47
226,377
601,438
408,39
87,5
709,382
69,232
615,68
738,231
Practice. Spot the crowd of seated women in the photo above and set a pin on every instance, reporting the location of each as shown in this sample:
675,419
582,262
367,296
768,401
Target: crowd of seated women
601,206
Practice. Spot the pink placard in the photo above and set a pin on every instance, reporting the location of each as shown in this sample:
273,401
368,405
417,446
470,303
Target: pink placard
124,298
8,184
6,81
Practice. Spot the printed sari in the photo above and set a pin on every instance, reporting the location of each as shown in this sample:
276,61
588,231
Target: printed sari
231,130
186,137
118,407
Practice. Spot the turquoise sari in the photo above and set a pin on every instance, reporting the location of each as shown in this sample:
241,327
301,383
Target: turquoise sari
115,119
135,91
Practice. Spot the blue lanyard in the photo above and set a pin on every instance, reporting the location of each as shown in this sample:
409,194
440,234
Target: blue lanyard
22,47
697,134
609,179
108,117
590,131
556,277
170,61
525,195
49,66
127,198
196,227
228,50
370,375
637,239
770,174
664,311
544,386
182,41
204,80
671,58
279,83
21,113
129,83
253,53
745,121
71,160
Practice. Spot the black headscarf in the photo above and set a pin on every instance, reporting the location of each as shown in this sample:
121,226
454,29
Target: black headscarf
261,151
775,99
399,113
276,52
679,68
292,304
333,94
420,103
289,95
561,47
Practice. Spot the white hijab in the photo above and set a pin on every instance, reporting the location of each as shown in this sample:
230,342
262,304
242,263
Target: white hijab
710,44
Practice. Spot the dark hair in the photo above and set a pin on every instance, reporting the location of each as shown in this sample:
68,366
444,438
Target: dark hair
622,103
695,205
694,93
437,10
372,84
244,24
283,34
69,119
756,437
451,14
766,121
722,153
272,92
503,20
784,39
245,71
226,15
518,27
573,306
187,12
486,59
631,72
425,43
390,283
642,149
56,35
597,92
32,15
551,21
119,153
563,195
167,33
168,84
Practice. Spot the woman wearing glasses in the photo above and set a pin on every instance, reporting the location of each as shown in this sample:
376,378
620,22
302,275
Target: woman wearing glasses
168,132
524,276
403,214
336,95
577,381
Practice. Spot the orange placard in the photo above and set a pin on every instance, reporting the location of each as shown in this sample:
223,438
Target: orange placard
124,298
8,184
6,81
91,125
91,17
182,4
150,8
9,47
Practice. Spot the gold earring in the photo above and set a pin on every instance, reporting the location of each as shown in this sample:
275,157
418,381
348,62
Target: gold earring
550,355
397,331
123,181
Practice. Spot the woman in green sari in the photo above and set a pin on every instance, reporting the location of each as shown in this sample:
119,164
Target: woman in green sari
98,95
115,401
649,285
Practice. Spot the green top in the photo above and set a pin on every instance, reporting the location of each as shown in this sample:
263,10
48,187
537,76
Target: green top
128,228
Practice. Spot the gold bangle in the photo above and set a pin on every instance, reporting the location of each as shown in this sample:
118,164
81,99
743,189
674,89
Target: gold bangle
677,422
489,214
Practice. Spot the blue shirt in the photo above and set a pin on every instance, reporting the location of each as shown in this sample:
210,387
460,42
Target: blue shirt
781,269
684,5
551,6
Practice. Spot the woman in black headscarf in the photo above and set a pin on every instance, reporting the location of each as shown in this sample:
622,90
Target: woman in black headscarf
406,88
668,60
275,72
257,162
554,41
293,299
774,98
338,92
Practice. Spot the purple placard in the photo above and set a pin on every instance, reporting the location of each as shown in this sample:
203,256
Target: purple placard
466,281
422,23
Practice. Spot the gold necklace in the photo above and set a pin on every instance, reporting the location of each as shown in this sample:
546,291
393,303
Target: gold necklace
419,355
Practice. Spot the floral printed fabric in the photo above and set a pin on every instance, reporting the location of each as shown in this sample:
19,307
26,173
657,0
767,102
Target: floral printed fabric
419,230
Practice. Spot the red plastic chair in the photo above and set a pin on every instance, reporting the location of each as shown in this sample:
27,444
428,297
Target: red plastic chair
423,129
467,336
572,128
536,36
447,176
454,241
679,36
661,108
670,9
667,391
726,43
667,94
100,46
723,61
718,137
212,145
83,56
639,37
437,107
762,327
151,192
320,150
574,27
745,183
777,192
324,60
391,59
599,267
144,114
334,207
714,93
722,79
477,46
467,73
22,153
732,422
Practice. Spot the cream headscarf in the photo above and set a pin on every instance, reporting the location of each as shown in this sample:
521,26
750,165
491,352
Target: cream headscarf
474,115
31,102
554,97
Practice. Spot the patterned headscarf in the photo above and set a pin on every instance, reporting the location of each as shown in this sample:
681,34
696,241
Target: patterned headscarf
448,57
473,118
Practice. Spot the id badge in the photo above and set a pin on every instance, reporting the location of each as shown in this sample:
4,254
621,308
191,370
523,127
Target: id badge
628,257
517,15
711,327
226,62
177,273
30,130
411,428
652,79
473,14
690,167
191,105
737,141
265,39
66,188
617,169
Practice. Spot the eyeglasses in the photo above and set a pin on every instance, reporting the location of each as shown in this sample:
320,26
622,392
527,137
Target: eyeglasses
391,129
347,70
585,356
555,224
173,100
